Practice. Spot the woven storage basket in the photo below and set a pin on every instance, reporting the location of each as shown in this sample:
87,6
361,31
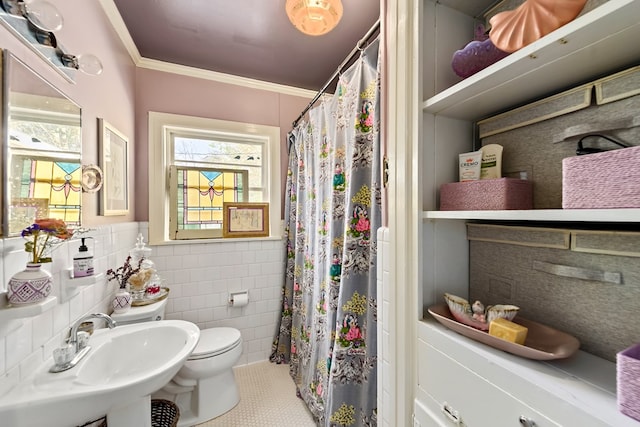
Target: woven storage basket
602,180
164,413
486,194
628,381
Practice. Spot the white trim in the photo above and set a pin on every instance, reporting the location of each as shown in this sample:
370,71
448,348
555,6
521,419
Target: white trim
152,64
199,73
402,18
120,27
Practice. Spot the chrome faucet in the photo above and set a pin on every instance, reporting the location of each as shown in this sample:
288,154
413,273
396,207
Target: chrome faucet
70,355
73,336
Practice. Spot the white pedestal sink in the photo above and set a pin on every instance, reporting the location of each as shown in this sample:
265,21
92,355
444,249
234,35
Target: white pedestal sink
124,366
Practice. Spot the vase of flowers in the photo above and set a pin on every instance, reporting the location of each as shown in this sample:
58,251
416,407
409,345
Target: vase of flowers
34,284
126,276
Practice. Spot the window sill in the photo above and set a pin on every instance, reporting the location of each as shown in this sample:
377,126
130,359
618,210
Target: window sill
219,240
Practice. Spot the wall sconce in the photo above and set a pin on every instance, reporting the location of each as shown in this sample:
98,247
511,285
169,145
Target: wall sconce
314,17
42,19
87,63
39,13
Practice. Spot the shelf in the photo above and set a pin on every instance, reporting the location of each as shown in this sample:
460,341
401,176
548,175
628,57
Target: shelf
567,215
600,41
70,286
8,312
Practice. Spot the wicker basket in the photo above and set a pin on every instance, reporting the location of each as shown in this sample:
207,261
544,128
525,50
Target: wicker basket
602,180
164,413
628,381
487,194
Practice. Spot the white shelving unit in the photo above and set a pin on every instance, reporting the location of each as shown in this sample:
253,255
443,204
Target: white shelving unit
582,391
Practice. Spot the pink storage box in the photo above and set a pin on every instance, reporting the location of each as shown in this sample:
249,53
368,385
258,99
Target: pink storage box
487,194
602,180
628,381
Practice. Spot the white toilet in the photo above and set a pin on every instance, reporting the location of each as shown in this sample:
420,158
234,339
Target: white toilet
205,386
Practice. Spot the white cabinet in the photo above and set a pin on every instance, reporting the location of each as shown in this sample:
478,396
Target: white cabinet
485,386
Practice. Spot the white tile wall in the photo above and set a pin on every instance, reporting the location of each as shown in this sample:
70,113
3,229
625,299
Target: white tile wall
28,342
386,412
200,277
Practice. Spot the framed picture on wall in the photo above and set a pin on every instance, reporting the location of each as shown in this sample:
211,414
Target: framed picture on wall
114,163
245,220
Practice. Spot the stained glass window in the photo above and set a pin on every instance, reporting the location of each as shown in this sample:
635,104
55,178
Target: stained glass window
198,195
57,181
45,176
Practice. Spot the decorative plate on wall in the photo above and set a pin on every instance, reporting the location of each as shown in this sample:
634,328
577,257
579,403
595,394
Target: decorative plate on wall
91,178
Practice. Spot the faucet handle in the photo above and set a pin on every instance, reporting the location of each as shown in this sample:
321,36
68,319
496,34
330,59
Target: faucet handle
64,355
83,339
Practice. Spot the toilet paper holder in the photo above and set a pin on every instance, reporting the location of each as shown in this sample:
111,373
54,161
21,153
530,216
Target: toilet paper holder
239,299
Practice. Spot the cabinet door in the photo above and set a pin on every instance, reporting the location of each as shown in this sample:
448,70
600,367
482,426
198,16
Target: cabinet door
466,399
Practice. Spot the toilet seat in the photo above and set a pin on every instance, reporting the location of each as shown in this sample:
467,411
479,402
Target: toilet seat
215,341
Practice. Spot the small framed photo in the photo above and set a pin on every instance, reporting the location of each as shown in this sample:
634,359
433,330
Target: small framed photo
245,220
114,162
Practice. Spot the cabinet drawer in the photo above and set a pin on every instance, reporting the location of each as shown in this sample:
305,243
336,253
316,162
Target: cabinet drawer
469,397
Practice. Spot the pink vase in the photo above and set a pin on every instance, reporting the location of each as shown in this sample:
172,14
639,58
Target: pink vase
122,301
30,285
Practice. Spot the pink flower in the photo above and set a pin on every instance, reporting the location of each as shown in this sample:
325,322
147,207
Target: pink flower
369,121
363,225
353,334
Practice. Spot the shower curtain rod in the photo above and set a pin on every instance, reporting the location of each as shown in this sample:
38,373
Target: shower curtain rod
359,46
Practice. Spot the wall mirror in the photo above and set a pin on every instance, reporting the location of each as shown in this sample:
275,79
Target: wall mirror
42,150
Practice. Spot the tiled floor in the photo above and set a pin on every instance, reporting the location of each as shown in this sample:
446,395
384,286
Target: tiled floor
267,399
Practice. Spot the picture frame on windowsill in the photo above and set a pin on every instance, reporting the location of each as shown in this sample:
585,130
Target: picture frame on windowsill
245,220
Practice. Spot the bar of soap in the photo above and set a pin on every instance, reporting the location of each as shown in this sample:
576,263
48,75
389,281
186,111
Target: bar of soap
508,330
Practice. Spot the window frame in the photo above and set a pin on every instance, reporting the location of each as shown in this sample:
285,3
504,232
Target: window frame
161,158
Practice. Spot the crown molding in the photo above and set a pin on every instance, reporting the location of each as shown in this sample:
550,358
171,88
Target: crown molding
200,73
152,64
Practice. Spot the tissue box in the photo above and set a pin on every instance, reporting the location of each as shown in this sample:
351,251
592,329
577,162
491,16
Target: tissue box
487,194
602,180
628,381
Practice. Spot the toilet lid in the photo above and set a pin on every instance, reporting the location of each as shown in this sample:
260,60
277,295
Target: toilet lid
214,341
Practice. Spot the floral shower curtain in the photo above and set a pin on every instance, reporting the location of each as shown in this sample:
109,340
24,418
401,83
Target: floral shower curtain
327,331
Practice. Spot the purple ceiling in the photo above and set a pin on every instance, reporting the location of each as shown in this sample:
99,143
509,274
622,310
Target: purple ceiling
248,38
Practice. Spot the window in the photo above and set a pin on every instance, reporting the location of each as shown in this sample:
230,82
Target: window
45,170
197,164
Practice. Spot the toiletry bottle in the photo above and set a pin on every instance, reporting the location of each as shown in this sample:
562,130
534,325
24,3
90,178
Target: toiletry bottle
491,167
83,262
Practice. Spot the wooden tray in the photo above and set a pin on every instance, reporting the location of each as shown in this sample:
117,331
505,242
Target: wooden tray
164,292
542,343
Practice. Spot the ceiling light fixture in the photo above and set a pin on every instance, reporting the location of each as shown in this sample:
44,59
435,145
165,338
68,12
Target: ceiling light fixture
314,17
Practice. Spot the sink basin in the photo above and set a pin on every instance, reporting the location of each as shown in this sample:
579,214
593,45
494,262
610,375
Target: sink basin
125,364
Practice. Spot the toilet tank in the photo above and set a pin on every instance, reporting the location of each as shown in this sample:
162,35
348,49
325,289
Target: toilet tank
143,313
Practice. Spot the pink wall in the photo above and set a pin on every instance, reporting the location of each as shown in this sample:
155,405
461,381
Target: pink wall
110,95
171,93
124,94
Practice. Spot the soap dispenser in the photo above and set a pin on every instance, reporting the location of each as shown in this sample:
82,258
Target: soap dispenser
83,261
